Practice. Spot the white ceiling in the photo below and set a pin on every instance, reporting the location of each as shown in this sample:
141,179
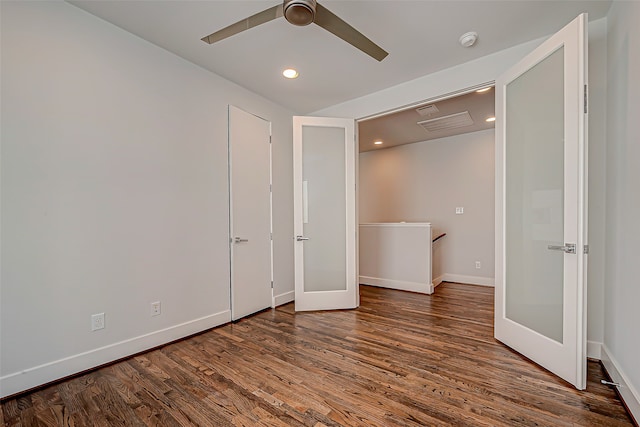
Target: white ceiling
421,37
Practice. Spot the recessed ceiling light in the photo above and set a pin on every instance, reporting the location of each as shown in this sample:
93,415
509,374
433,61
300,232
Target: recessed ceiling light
484,90
491,119
290,73
378,143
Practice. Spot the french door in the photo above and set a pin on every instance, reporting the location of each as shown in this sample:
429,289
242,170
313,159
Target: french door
541,146
324,174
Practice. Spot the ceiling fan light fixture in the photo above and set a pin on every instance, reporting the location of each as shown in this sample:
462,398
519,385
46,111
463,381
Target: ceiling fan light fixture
300,12
303,12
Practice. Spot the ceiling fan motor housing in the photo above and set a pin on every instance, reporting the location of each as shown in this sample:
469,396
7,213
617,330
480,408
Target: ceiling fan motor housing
300,12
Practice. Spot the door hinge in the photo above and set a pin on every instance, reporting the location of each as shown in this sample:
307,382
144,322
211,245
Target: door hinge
272,284
271,236
586,99
586,249
270,188
270,139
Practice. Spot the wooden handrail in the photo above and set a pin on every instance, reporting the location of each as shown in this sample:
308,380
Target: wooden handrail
439,237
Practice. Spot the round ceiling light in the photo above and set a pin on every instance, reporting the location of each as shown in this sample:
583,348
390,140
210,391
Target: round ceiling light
378,143
490,119
484,89
468,39
300,12
290,73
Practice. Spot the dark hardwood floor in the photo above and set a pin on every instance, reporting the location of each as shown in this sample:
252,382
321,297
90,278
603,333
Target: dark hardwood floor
401,359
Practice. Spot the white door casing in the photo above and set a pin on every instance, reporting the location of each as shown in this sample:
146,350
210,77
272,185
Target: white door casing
250,225
540,305
324,173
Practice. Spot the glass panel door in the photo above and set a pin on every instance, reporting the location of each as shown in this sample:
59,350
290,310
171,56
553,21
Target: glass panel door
534,193
324,153
324,204
541,204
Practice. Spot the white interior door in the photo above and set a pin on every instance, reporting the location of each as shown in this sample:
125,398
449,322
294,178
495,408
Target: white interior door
324,151
540,308
249,213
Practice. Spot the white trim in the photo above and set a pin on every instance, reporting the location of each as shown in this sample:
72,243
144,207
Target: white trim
38,375
423,288
594,350
283,298
469,280
627,391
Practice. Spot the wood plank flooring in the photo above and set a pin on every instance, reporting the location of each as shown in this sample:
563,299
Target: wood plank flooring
401,359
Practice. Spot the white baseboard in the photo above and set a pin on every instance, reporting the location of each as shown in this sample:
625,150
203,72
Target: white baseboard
594,350
423,288
283,298
627,390
469,280
38,375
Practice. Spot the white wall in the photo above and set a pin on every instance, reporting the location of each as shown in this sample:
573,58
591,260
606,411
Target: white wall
597,184
487,69
114,193
425,182
622,296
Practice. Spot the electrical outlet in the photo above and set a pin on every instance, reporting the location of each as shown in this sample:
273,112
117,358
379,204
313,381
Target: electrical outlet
459,210
155,308
478,265
97,321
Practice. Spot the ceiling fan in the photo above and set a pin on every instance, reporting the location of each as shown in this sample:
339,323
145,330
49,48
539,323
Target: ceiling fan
303,12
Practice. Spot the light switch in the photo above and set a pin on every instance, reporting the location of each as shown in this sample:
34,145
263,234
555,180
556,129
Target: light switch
459,211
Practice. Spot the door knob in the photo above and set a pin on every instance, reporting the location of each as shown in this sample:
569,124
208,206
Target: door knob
239,240
569,248
301,238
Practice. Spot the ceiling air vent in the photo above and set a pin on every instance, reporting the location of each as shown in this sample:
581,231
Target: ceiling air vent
452,121
427,110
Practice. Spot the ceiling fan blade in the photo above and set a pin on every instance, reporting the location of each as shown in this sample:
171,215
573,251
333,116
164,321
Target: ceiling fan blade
332,23
250,22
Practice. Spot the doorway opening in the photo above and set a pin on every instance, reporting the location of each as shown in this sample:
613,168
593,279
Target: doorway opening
429,163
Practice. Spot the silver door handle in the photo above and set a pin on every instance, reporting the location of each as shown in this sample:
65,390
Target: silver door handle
239,240
300,238
569,248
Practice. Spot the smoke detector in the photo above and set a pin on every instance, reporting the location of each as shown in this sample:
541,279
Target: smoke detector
468,39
